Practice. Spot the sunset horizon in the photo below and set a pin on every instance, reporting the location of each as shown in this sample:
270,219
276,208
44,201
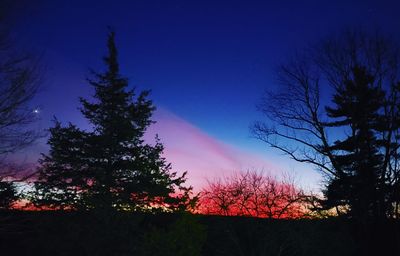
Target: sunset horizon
189,128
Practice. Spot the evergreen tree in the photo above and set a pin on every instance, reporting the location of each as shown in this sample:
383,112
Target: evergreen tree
63,180
110,166
358,158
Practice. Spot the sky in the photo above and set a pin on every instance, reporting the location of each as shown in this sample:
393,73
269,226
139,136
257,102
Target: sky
206,62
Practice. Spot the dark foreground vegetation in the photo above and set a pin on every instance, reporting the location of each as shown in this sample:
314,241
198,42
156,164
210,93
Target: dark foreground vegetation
102,233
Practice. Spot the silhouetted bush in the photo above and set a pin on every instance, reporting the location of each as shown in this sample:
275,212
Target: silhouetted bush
185,236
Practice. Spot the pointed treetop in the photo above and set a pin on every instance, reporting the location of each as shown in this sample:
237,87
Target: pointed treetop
111,59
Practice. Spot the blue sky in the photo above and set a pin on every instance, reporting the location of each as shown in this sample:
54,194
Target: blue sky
206,62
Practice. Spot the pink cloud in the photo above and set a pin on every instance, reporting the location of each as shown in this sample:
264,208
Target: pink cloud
190,149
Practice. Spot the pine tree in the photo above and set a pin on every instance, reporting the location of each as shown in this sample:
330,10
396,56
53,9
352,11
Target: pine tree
358,158
110,166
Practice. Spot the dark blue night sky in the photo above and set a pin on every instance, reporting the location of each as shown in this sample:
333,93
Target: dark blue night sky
207,62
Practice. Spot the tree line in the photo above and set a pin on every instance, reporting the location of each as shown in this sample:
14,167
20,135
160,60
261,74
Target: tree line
110,166
337,109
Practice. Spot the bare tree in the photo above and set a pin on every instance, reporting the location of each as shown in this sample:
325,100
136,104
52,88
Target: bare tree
19,82
252,193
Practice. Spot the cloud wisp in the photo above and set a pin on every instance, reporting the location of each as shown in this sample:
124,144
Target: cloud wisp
205,158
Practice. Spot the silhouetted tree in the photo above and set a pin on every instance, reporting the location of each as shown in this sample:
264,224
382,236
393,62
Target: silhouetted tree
252,194
359,180
19,82
64,178
110,166
8,194
353,141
